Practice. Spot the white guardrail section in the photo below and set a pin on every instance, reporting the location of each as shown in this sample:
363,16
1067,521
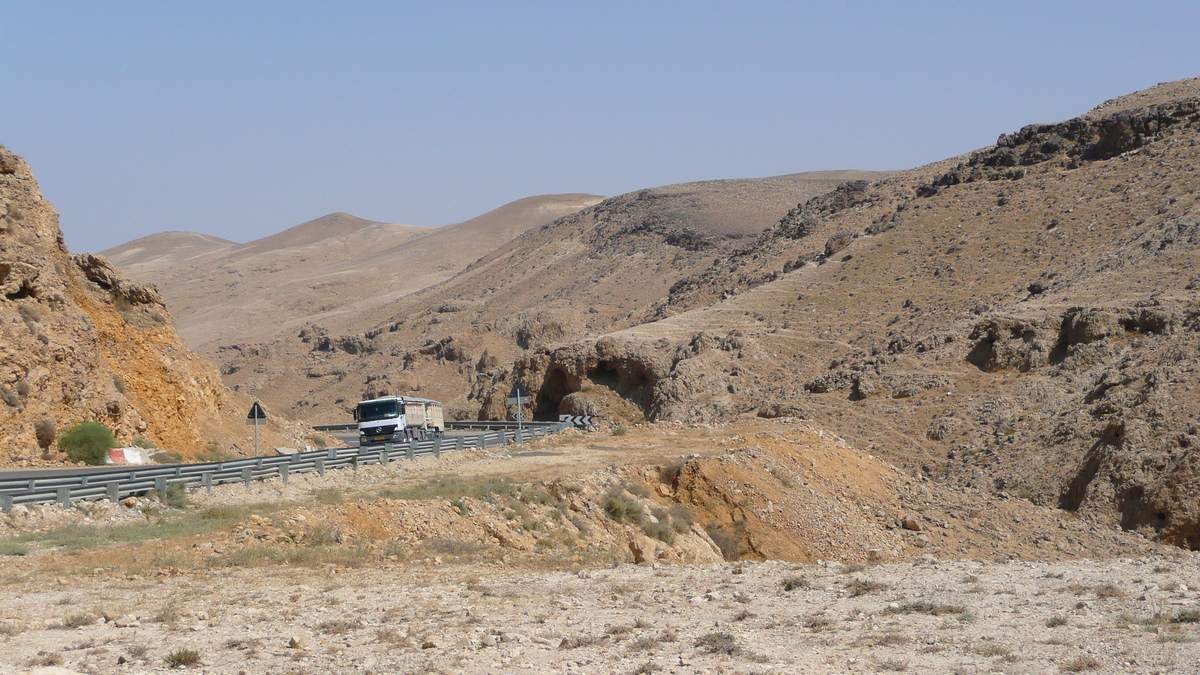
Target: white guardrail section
116,483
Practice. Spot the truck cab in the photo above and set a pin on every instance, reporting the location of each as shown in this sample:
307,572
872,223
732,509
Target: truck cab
396,419
381,420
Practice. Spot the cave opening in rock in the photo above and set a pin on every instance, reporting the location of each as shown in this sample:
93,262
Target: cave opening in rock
25,291
627,379
554,389
605,375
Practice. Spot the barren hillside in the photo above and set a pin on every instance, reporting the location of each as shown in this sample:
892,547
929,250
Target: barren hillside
583,274
339,270
1021,319
81,342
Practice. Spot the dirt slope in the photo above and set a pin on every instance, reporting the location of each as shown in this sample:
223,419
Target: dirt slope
1021,319
81,342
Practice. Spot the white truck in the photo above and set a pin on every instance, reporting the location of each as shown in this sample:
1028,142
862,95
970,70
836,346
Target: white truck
398,419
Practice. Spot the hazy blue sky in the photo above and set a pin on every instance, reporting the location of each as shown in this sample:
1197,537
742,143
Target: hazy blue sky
242,119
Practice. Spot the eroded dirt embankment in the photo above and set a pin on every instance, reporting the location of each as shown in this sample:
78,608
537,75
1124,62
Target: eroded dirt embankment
757,490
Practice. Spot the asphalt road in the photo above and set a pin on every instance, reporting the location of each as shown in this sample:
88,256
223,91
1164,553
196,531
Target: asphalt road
350,438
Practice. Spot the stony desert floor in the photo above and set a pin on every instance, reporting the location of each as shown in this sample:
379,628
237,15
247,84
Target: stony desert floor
1123,616
233,582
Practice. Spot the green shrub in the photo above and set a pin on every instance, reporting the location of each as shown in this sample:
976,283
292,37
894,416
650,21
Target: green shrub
620,430
211,453
87,442
182,657
328,495
681,518
1186,616
660,530
176,496
226,513
78,620
622,509
140,442
167,457
9,547
728,539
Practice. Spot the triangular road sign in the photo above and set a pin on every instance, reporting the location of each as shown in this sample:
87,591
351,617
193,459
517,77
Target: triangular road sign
256,413
518,391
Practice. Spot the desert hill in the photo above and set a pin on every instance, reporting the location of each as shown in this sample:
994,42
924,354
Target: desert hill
1021,319
583,274
82,342
338,265
166,250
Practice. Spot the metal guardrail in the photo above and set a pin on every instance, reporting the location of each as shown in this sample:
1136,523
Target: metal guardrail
450,424
118,483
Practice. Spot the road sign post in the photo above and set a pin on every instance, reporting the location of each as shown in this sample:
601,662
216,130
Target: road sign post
254,417
517,397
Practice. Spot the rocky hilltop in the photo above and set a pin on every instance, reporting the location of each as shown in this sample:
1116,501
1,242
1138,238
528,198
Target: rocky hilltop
1021,319
80,341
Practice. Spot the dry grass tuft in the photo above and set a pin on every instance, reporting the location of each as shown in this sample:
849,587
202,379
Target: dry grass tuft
1080,664
719,642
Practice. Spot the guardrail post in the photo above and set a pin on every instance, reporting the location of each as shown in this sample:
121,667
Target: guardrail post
31,484
319,465
64,497
83,481
160,486
354,463
482,442
246,477
437,447
284,473
6,503
411,453
386,454
113,492
332,454
206,481
459,442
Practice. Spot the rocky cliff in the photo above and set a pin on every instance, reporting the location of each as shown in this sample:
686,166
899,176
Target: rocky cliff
1023,319
78,341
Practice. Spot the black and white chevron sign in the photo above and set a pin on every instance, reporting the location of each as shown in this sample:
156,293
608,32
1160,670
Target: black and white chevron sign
580,421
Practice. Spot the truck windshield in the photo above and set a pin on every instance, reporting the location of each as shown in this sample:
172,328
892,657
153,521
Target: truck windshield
382,410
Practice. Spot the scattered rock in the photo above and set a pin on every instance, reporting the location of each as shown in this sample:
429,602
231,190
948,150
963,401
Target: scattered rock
127,621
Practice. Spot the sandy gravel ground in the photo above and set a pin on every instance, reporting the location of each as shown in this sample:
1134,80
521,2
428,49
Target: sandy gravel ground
1124,616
